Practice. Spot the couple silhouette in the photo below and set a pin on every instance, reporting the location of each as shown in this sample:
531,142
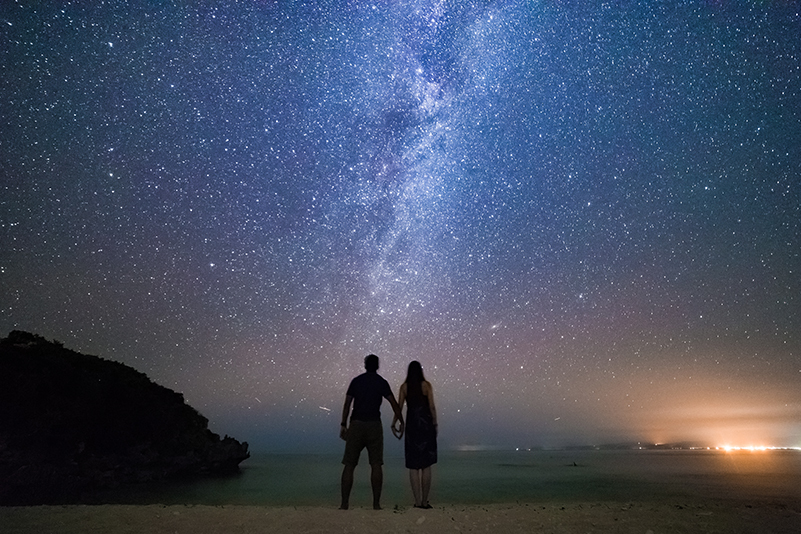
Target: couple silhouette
365,393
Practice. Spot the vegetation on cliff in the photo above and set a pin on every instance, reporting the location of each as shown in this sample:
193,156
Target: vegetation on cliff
70,423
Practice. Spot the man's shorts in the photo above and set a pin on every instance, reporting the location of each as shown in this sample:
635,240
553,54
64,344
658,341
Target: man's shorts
363,434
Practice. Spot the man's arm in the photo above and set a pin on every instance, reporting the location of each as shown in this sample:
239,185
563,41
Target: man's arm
398,413
395,407
398,433
343,427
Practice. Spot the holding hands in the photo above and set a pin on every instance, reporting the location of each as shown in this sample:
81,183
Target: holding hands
397,427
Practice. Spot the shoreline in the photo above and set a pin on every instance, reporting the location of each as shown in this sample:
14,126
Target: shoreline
575,493
666,515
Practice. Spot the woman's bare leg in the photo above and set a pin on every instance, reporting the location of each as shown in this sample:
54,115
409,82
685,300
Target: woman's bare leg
414,479
425,485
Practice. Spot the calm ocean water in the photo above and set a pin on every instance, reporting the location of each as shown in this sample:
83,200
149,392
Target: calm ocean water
478,477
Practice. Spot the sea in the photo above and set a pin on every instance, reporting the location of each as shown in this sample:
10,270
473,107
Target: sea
485,477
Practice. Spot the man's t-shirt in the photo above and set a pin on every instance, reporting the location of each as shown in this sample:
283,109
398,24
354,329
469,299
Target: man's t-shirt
367,390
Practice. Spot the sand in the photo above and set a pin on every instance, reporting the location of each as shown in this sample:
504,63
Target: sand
573,517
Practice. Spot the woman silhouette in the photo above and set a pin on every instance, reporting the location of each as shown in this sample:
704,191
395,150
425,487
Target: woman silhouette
421,431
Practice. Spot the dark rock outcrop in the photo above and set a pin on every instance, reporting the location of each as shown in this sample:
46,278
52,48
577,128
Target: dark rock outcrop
71,423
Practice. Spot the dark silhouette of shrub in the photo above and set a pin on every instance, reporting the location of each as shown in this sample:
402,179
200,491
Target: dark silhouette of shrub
70,422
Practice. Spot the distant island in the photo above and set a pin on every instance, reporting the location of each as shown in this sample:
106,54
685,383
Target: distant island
71,423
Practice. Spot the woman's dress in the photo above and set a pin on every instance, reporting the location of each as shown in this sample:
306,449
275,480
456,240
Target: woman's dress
421,435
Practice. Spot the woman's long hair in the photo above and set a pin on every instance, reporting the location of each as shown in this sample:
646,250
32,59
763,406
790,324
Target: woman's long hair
414,379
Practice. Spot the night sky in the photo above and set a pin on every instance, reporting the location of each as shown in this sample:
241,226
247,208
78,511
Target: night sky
582,218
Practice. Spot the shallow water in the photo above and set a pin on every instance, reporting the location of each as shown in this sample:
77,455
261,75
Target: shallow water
495,476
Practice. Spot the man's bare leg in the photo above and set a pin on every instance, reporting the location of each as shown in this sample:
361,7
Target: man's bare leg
347,485
377,481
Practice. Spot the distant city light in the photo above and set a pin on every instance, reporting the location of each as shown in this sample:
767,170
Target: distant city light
753,448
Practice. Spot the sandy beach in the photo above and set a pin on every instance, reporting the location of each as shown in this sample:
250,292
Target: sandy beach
618,491
583,517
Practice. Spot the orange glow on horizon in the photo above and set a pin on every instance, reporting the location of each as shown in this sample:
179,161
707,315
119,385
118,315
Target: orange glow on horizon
753,448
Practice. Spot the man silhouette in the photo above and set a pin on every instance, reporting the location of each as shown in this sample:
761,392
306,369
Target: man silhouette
366,392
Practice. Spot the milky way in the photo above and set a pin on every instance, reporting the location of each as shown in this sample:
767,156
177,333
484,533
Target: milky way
584,219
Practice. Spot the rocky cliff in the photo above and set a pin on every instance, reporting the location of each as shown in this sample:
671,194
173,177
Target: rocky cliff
71,423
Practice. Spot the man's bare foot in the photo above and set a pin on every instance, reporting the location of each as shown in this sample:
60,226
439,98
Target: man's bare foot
343,506
376,507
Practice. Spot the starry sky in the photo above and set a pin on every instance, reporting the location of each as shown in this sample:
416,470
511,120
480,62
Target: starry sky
582,218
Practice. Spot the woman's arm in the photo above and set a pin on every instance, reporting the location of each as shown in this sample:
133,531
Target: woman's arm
402,395
401,400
